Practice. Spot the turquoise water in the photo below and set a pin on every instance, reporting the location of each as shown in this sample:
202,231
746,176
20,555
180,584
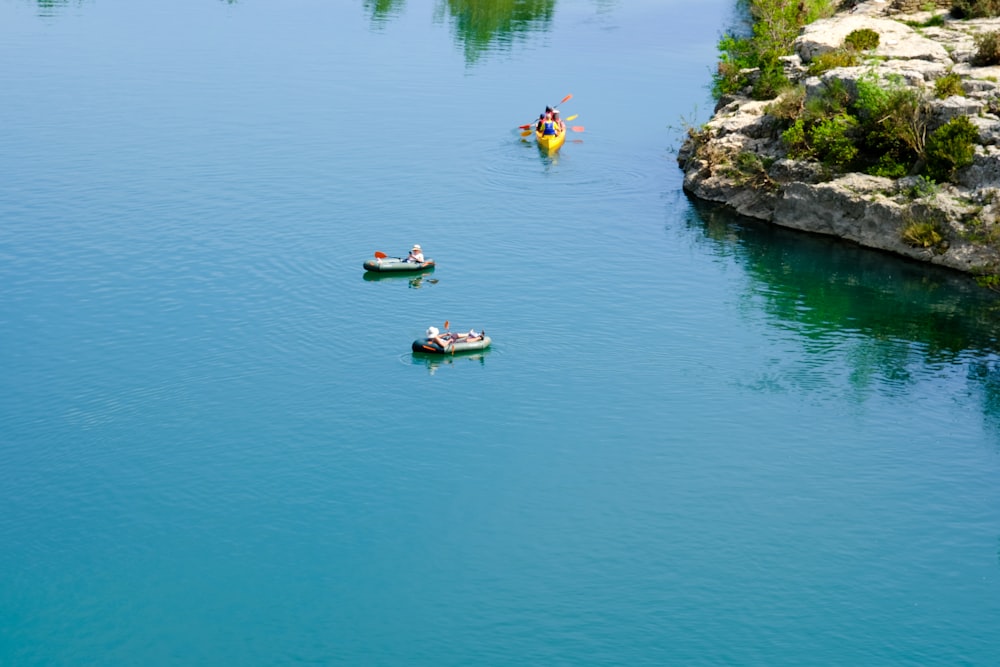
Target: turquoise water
696,440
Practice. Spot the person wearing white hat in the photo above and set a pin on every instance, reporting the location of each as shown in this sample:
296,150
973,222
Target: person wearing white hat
416,254
434,336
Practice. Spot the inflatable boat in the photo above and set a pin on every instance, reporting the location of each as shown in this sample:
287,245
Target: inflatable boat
425,345
396,264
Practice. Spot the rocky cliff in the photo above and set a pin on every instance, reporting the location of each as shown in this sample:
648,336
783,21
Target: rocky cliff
739,158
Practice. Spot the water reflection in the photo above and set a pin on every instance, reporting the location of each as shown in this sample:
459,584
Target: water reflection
548,159
416,281
383,10
50,8
893,321
830,285
986,375
496,25
481,27
432,362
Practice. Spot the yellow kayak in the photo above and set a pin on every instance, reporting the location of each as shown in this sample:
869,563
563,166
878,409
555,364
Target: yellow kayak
550,142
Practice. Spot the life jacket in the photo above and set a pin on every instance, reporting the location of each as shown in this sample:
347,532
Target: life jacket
549,127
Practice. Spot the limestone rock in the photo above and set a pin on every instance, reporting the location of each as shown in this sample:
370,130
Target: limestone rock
896,40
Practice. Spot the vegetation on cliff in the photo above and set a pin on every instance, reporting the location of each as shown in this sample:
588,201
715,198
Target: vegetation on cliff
774,26
866,117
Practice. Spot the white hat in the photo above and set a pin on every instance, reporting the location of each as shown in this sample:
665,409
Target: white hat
432,331
416,246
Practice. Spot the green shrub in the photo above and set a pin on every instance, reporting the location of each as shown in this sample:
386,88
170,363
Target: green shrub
832,101
981,232
750,169
796,140
735,55
951,147
833,141
863,39
936,21
769,82
987,49
923,187
888,166
975,9
776,24
922,234
989,281
831,60
789,105
893,121
948,85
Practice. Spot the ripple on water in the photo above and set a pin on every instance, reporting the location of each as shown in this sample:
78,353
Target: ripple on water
527,178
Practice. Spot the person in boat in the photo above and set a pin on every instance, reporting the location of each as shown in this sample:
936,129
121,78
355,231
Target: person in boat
472,336
540,123
416,254
443,340
549,127
433,335
560,125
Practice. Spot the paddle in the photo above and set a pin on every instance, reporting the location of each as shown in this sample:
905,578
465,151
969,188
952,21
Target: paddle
380,255
577,128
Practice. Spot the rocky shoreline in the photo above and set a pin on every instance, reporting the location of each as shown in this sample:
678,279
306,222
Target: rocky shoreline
738,157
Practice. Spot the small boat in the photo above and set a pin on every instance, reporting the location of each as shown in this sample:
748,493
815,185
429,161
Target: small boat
550,142
425,345
396,264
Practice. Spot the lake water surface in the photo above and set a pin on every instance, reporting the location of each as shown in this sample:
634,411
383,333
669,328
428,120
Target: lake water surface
695,440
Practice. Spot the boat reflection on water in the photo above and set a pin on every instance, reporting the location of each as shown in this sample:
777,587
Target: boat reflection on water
435,361
416,280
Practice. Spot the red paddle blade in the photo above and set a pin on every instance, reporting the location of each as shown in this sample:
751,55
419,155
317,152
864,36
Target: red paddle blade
380,255
524,127
446,324
577,128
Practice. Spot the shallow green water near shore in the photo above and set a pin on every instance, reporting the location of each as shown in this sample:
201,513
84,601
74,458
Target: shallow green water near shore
696,439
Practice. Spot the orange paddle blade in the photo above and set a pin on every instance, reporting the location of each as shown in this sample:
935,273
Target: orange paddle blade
381,255
526,133
564,99
446,324
577,128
